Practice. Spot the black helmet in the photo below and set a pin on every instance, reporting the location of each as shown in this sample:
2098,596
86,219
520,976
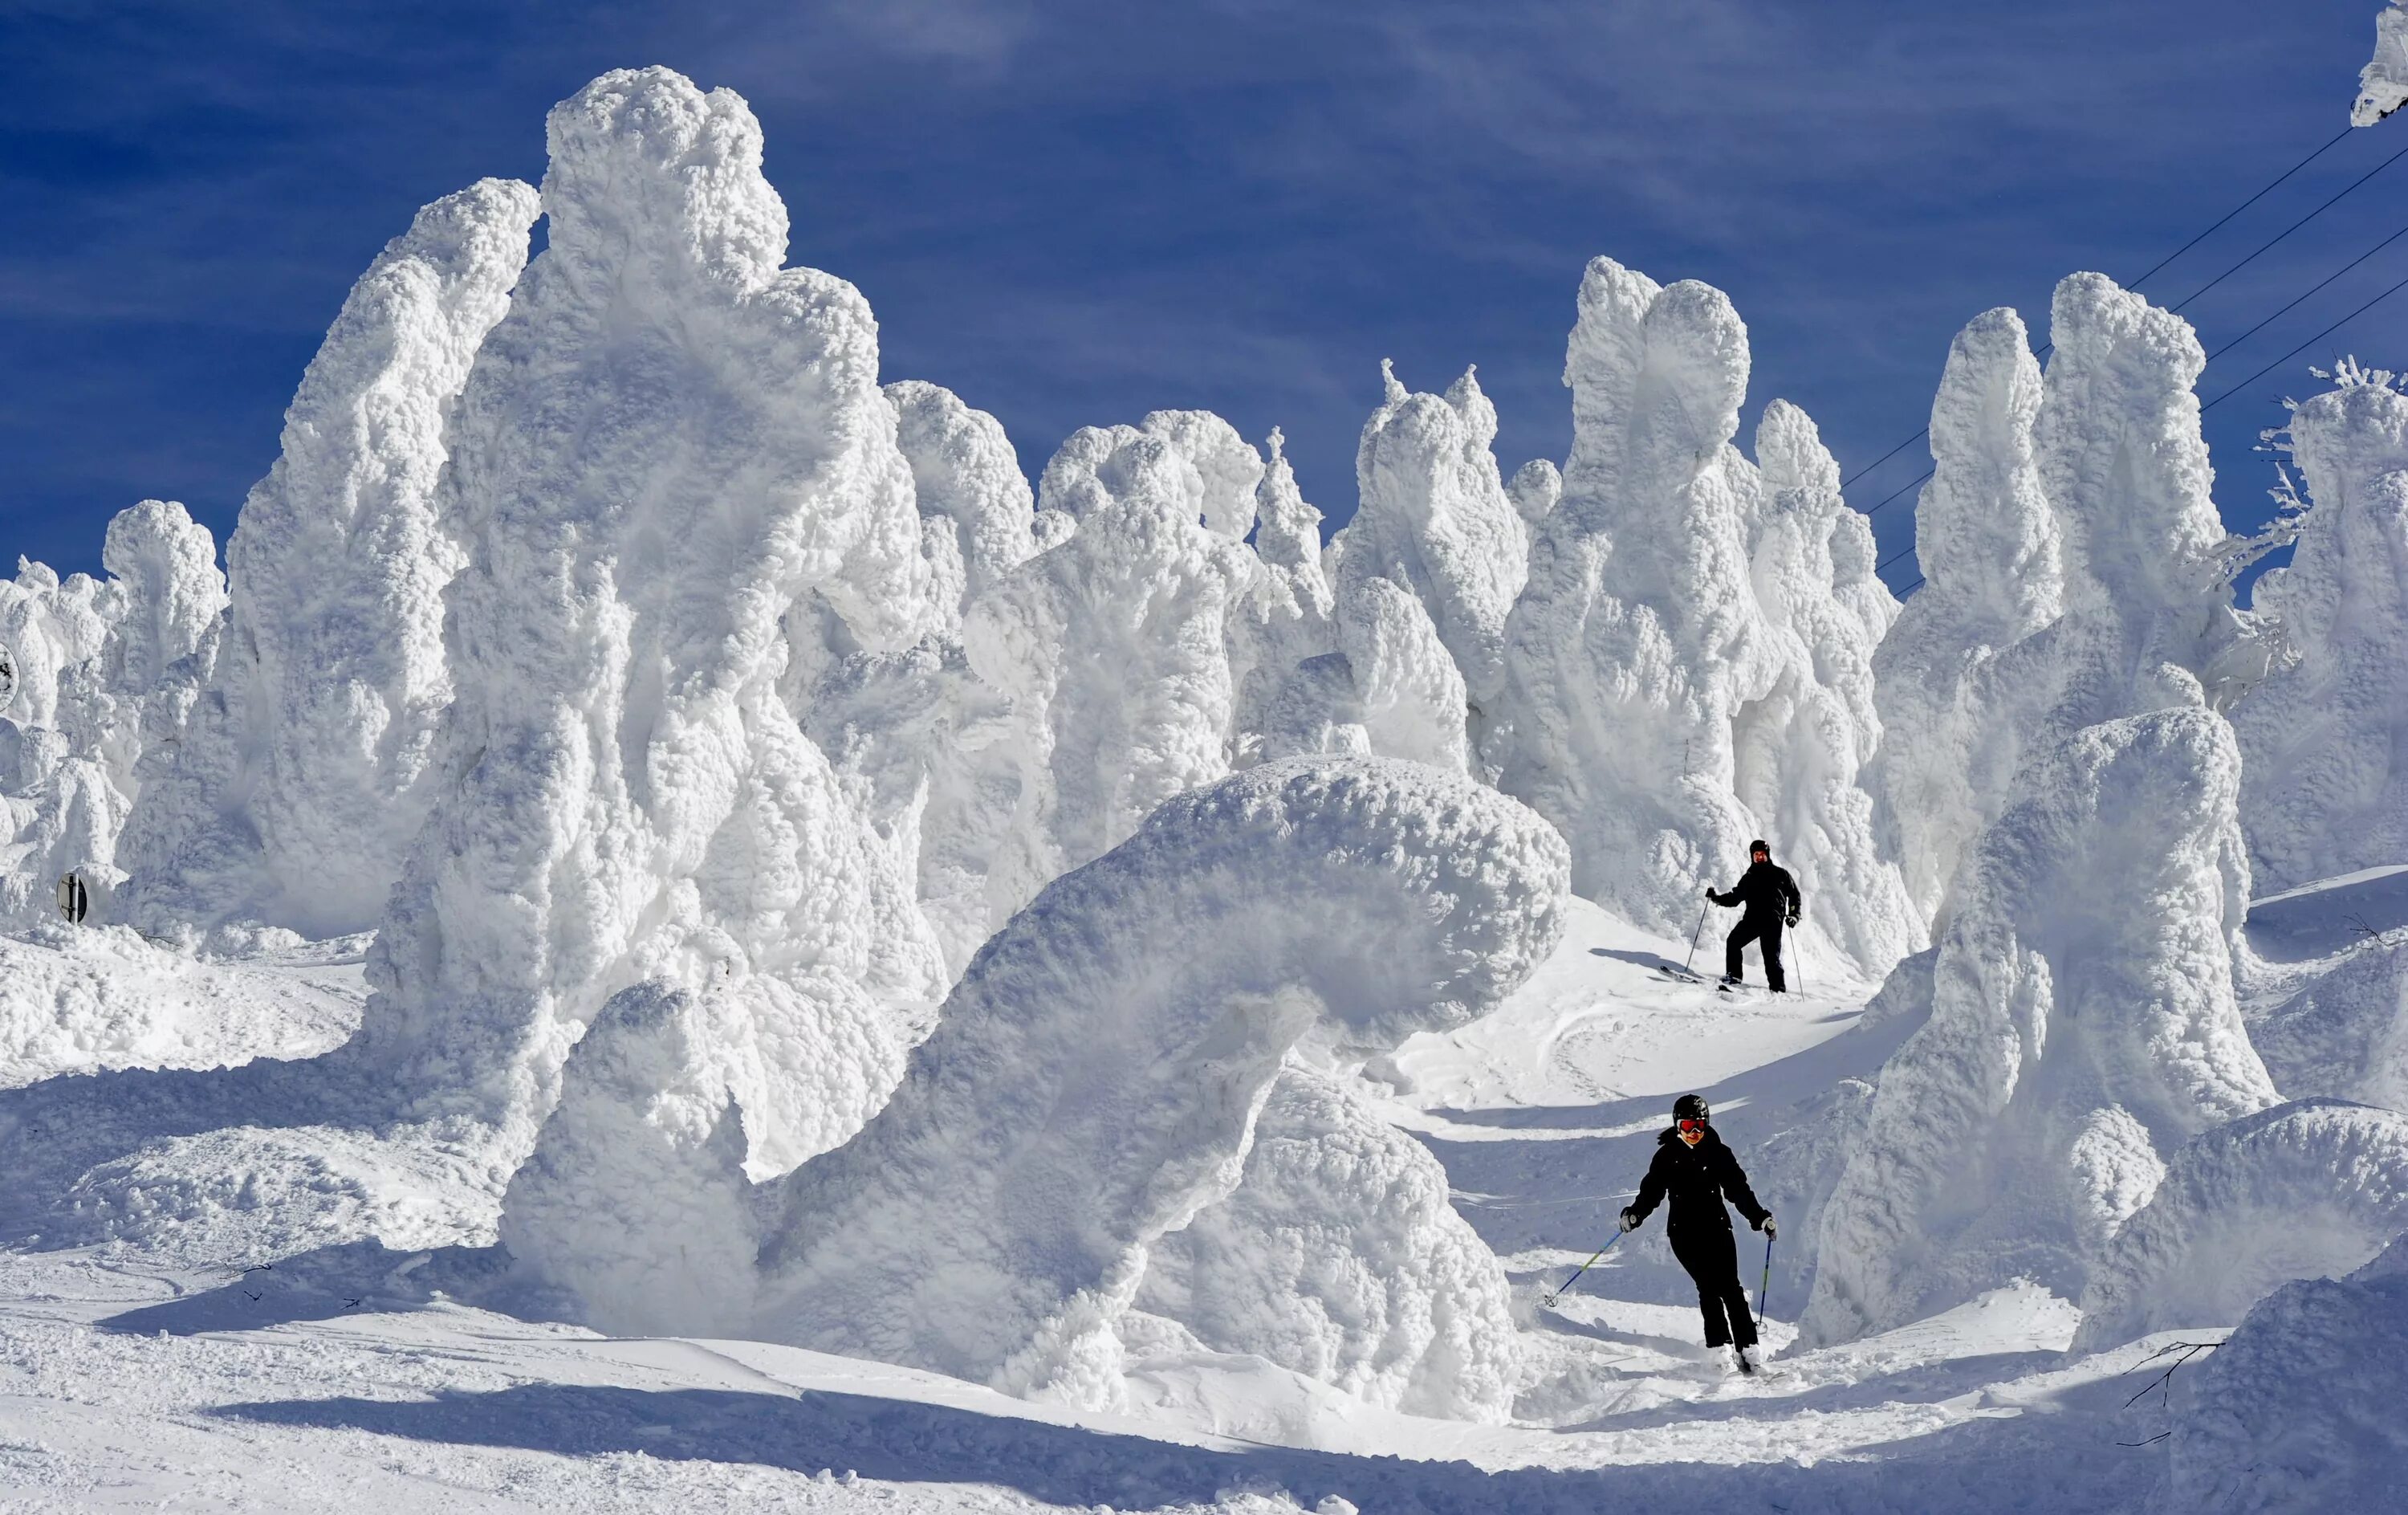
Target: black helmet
1759,845
1690,1107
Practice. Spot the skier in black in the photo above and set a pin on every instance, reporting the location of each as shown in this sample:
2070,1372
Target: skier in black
1694,1167
1771,896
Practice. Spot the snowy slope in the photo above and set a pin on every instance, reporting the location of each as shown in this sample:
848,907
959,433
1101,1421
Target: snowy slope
125,1379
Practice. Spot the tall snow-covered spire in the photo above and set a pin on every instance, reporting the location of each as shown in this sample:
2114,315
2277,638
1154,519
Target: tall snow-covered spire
1687,666
293,799
2325,739
1987,543
669,449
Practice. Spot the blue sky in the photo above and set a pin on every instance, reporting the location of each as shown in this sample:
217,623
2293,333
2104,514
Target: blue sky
1074,213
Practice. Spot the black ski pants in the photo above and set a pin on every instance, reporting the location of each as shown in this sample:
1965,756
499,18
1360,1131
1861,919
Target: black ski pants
1767,931
1712,1256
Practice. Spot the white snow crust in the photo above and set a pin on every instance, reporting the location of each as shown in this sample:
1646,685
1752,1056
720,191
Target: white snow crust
2299,1407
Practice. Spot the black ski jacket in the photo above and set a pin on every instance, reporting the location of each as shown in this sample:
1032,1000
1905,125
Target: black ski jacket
1768,891
1698,1180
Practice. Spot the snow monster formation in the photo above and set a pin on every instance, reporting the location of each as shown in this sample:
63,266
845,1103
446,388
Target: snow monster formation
1988,544
1092,1083
1640,661
102,680
2325,739
2083,1024
1112,648
1340,1256
296,793
668,448
2304,1190
2383,83
2076,568
1426,572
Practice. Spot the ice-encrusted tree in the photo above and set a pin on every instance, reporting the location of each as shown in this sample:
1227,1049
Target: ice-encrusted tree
1643,657
669,450
2325,739
2078,570
1986,543
2383,83
104,676
298,789
2083,1024
1114,645
1092,1083
1285,618
1426,572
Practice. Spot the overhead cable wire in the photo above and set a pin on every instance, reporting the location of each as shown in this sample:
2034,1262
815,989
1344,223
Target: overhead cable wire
2292,227
2242,206
2169,258
2297,298
2303,346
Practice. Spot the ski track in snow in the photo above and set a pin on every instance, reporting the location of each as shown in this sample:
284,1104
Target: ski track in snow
125,1382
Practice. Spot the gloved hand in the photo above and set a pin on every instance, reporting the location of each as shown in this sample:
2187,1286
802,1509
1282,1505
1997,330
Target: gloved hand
1630,1221
1793,919
1768,1229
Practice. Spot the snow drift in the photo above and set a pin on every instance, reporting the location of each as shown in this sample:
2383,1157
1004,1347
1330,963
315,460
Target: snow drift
2082,1022
1092,1083
2299,1407
296,790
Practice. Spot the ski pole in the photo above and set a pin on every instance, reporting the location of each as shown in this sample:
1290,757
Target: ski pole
1558,1292
1688,964
1764,1289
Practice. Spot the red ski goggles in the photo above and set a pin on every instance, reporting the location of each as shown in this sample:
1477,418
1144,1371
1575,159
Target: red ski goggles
1692,1128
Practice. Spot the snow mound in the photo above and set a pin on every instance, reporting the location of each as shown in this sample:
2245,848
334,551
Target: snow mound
293,799
2083,1020
2301,1191
80,1001
2383,83
2299,1407
1686,616
2325,786
1340,1256
1092,1083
